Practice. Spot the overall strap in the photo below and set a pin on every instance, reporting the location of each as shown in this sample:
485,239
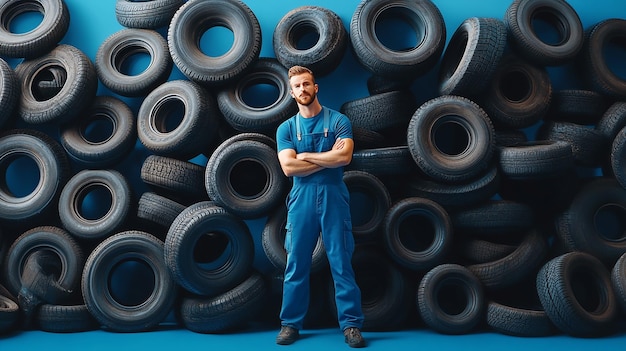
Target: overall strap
326,124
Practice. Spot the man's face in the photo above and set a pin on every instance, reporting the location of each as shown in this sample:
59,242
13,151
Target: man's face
303,89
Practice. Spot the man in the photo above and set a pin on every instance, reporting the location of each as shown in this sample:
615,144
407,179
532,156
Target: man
313,147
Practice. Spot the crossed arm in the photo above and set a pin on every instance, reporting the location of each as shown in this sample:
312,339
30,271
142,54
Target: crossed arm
303,164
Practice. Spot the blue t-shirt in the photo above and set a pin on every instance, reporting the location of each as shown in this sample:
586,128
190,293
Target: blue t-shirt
314,139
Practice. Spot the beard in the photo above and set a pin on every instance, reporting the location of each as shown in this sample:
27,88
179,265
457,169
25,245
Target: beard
304,101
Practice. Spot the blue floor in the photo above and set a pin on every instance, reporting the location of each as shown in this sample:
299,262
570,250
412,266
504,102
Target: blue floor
311,340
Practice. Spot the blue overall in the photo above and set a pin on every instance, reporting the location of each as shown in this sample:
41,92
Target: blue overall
318,203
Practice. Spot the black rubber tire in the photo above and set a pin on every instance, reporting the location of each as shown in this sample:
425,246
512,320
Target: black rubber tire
54,170
77,93
494,219
447,118
121,46
575,291
369,202
228,311
512,269
152,14
589,146
452,196
593,222
519,18
9,93
196,128
387,291
292,31
618,157
245,177
613,120
245,116
158,209
417,233
519,94
208,250
471,57
40,40
178,179
113,210
422,15
105,133
578,106
65,319
596,69
53,240
383,161
450,299
618,281
273,243
193,19
9,314
537,159
110,310
477,250
382,111
518,321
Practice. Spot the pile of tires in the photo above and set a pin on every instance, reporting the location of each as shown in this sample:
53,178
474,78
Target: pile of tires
497,204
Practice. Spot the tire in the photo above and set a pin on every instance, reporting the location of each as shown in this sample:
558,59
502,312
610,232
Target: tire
613,120
595,65
385,290
593,222
618,281
518,95
245,177
562,17
452,196
147,15
618,157
393,160
77,93
196,128
193,19
450,299
225,312
9,314
575,291
512,269
40,40
114,311
455,118
120,47
241,111
9,93
95,204
578,106
178,179
477,250
381,112
53,167
293,29
518,321
473,53
65,319
369,202
208,250
417,249
68,259
589,146
494,219
273,243
105,134
430,30
538,159
157,209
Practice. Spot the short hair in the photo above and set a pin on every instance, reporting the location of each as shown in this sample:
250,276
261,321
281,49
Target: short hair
297,70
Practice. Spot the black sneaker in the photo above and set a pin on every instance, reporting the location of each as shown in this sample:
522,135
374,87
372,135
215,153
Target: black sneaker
353,337
287,335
